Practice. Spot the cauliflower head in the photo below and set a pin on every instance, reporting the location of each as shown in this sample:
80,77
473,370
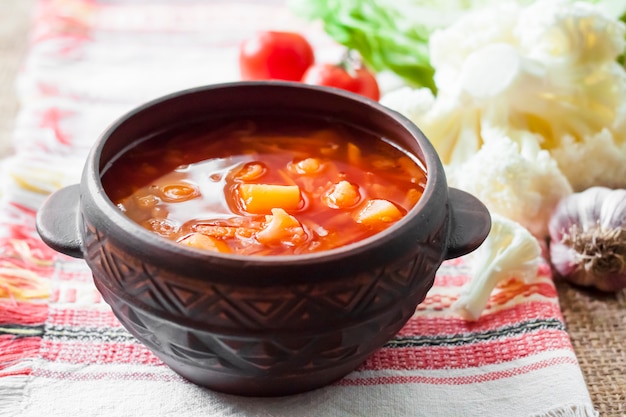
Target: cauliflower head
546,71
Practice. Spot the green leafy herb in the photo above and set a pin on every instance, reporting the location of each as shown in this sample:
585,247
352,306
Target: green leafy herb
384,37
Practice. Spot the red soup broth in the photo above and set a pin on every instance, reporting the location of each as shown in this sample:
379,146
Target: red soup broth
265,185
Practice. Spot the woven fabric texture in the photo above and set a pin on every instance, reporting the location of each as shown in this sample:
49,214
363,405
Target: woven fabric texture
65,327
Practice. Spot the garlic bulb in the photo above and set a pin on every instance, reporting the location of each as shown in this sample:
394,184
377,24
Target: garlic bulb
588,238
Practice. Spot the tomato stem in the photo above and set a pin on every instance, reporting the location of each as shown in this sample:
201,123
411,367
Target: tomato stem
351,61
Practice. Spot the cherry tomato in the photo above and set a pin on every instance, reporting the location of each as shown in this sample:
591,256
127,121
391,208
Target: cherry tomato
275,55
357,80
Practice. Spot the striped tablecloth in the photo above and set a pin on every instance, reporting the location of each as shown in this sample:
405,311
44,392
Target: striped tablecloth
62,352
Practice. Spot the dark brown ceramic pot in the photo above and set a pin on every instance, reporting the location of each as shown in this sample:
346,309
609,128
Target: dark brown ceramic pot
262,326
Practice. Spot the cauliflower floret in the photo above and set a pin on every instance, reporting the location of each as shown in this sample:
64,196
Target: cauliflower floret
519,181
473,31
509,251
601,158
568,33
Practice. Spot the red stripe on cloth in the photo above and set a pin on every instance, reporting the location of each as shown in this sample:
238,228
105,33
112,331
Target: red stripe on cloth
83,317
52,119
468,355
461,272
70,295
53,19
392,358
522,312
16,312
14,349
92,352
450,280
80,276
15,372
23,211
459,380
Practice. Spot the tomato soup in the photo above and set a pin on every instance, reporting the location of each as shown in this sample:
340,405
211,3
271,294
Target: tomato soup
265,185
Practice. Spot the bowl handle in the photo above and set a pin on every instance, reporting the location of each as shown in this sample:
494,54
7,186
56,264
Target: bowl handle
58,223
470,223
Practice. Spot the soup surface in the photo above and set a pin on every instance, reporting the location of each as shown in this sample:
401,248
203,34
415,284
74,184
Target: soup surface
265,186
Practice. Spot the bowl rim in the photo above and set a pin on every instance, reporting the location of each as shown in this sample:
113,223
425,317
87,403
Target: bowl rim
142,238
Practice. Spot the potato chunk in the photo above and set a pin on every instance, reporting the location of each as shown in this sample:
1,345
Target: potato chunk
200,241
378,211
262,198
281,228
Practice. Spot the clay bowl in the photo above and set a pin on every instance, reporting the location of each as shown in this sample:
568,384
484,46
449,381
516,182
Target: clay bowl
253,325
